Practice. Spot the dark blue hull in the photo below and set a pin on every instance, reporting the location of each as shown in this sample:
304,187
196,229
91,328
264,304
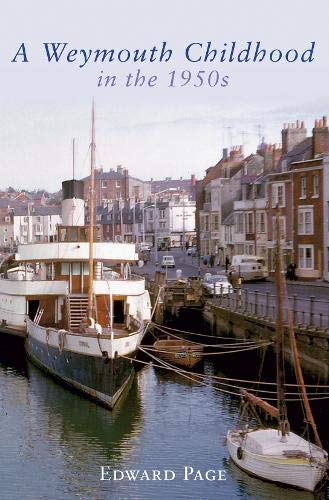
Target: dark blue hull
102,380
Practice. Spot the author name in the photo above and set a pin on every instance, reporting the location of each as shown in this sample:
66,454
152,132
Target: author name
188,473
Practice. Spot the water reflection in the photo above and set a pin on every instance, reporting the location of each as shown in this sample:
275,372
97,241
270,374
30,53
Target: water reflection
53,441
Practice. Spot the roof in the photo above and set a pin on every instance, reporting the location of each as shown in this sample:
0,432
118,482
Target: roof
110,175
38,211
302,151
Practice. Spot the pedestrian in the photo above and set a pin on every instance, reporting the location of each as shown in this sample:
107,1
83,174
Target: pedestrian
211,261
205,260
227,263
290,271
293,272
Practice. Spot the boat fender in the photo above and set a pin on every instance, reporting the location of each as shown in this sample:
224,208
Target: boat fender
105,357
61,340
239,453
92,322
98,329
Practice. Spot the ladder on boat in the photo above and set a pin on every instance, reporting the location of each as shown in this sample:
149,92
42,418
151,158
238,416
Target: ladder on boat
77,306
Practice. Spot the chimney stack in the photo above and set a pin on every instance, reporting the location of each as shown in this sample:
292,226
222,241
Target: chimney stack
292,134
320,139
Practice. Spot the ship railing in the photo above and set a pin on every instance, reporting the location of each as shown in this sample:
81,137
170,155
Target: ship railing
111,276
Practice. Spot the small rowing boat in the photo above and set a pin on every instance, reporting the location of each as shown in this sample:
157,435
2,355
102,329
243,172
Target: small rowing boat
179,352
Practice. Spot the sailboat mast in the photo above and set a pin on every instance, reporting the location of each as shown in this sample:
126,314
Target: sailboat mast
91,214
280,370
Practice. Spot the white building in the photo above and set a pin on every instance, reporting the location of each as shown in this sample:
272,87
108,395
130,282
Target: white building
33,224
172,222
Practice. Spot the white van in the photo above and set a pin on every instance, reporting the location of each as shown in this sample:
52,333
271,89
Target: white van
248,267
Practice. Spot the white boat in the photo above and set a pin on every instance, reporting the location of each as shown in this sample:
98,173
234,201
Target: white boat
83,323
277,454
294,462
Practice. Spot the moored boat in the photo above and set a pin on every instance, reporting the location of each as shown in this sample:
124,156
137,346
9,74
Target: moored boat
179,352
83,322
277,454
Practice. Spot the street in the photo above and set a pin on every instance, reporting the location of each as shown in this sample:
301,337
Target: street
190,267
309,302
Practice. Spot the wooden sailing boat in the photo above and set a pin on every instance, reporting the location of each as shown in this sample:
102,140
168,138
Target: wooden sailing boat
277,454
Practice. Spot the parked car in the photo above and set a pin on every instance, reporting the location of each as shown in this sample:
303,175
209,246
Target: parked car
217,284
143,246
192,251
168,261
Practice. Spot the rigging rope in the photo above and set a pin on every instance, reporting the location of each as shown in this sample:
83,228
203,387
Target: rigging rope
195,377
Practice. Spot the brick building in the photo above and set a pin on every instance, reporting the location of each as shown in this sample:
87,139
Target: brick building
116,185
311,202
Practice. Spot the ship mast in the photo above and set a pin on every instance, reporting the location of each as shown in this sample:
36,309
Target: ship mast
280,370
91,215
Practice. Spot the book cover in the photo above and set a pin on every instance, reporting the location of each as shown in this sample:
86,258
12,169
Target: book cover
207,145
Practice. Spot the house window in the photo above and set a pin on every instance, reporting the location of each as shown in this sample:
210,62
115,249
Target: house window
240,249
305,257
250,249
316,186
278,195
151,215
249,222
260,222
162,225
118,184
137,192
239,226
206,223
305,221
104,184
7,218
303,187
282,220
162,213
215,223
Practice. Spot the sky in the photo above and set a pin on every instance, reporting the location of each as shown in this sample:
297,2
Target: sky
157,131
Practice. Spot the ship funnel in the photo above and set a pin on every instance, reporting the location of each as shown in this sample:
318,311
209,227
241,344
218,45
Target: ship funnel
73,205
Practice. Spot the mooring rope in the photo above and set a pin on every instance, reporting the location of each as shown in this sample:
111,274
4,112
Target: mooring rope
190,375
217,353
198,334
219,346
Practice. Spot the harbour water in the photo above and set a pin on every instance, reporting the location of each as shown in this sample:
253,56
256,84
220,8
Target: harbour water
54,442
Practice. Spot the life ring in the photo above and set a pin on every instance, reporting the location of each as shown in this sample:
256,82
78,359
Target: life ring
239,453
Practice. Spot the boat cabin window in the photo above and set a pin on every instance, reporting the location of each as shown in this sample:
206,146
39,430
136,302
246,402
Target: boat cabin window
65,268
76,268
73,233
